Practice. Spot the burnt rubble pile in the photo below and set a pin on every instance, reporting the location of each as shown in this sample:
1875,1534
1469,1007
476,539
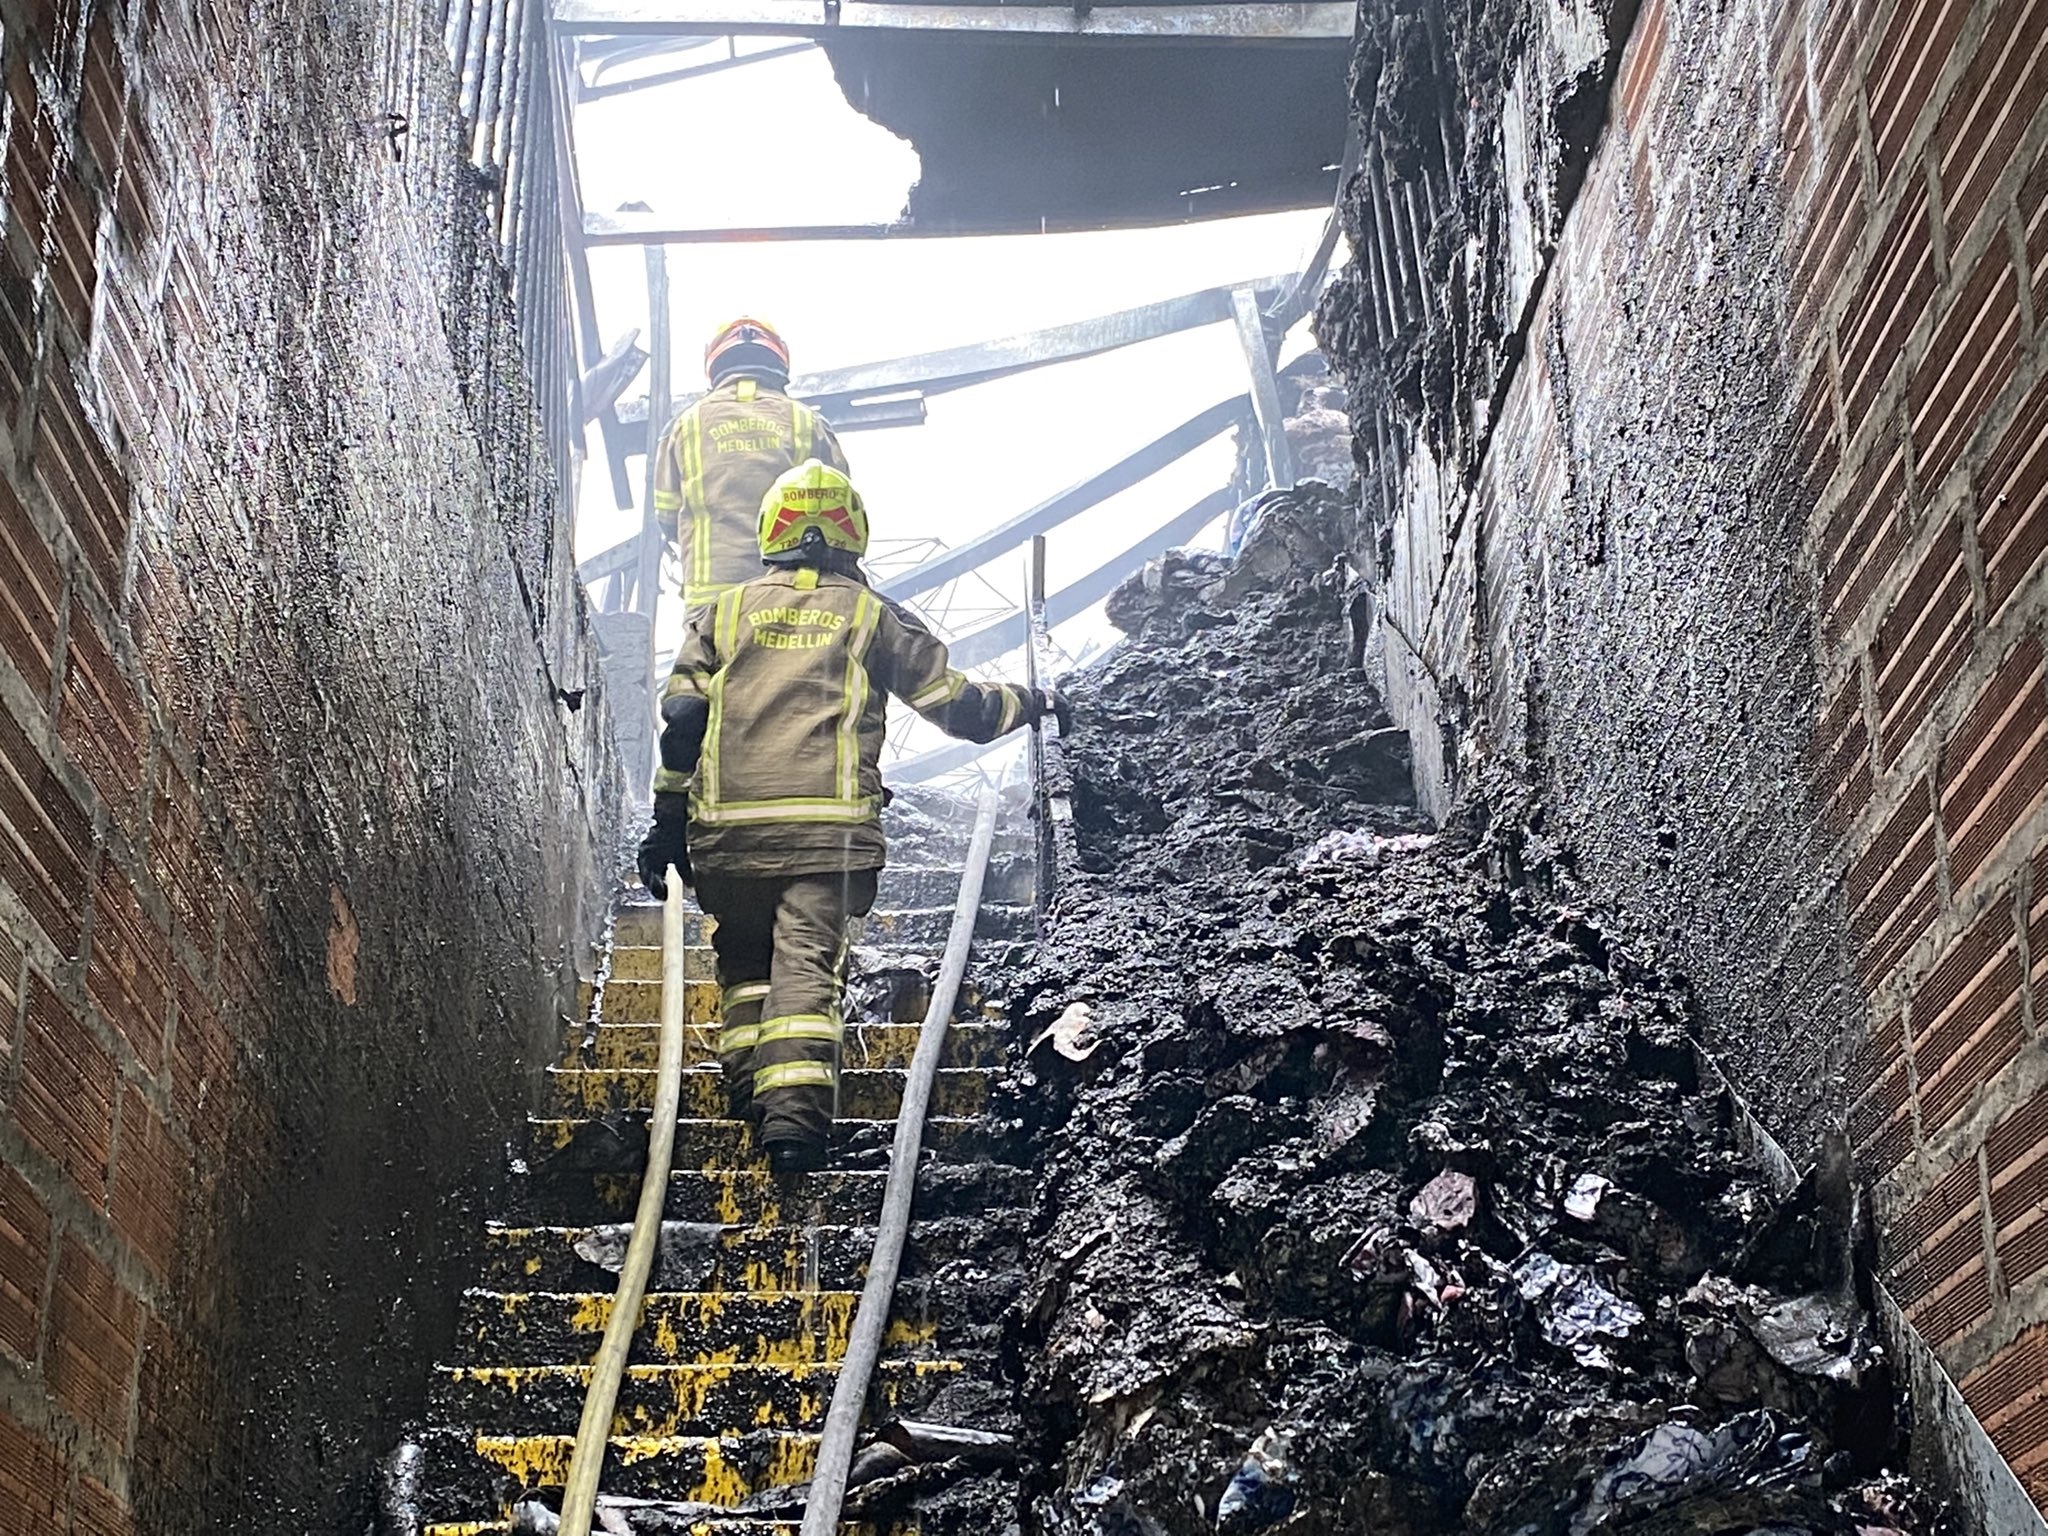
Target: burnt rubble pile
1376,1193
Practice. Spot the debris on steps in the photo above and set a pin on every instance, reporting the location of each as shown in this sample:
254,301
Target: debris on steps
755,1280
1376,1192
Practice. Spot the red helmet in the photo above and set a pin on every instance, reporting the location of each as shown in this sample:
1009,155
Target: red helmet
745,344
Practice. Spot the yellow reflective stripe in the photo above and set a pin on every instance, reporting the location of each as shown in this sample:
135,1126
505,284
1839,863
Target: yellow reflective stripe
1011,709
738,1037
947,687
743,992
799,1026
832,812
795,1074
668,497
799,431
668,782
693,496
726,634
866,615
703,594
747,389
725,625
683,685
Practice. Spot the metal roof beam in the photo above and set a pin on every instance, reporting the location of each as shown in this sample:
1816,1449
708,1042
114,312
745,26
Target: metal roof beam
904,409
843,394
1005,635
1264,23
1120,476
957,367
606,90
655,229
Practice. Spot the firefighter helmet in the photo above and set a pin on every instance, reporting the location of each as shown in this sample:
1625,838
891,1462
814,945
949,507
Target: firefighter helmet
812,508
745,345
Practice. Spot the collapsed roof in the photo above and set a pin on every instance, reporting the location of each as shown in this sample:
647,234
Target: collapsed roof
1022,134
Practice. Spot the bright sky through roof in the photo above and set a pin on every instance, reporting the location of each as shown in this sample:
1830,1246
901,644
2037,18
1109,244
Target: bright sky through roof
775,143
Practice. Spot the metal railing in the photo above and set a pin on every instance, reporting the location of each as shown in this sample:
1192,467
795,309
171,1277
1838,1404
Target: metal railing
502,54
1052,814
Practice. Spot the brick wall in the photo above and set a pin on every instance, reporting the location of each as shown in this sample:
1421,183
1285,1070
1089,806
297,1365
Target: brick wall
1927,346
298,830
1742,571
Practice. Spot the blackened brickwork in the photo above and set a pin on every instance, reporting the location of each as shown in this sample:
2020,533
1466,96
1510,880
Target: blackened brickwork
1738,555
300,834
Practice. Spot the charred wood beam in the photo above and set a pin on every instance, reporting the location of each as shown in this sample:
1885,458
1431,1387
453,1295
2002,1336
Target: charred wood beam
607,379
623,558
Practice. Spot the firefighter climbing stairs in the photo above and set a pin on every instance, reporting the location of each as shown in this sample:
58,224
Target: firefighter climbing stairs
755,1282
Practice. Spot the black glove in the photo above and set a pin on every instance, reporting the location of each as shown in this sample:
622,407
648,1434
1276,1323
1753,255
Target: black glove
667,842
1052,702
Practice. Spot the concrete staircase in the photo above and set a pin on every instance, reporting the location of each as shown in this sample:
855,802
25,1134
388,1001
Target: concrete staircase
754,1288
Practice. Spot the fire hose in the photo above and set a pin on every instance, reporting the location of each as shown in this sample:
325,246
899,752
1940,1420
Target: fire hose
586,1462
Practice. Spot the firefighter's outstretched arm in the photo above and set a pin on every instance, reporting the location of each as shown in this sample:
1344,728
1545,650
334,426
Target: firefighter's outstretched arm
911,662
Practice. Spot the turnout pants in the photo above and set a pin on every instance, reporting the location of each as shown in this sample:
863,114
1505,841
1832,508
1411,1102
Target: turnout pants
781,946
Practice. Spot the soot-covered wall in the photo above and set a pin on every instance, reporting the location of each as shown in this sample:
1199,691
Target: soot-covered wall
1705,424
298,824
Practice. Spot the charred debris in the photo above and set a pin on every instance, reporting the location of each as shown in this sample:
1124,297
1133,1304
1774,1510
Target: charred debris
1378,1184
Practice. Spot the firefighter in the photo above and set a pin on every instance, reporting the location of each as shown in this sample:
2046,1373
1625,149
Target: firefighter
720,455
770,797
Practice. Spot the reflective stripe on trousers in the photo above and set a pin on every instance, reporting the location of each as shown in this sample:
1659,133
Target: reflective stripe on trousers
792,930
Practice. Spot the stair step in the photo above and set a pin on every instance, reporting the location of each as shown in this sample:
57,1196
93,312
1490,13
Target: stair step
665,1401
638,1046
900,924
864,1093
726,1196
642,962
712,1524
637,925
706,1257
755,1284
473,1477
617,1142
747,1197
1009,880
639,1002
927,928
677,1327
